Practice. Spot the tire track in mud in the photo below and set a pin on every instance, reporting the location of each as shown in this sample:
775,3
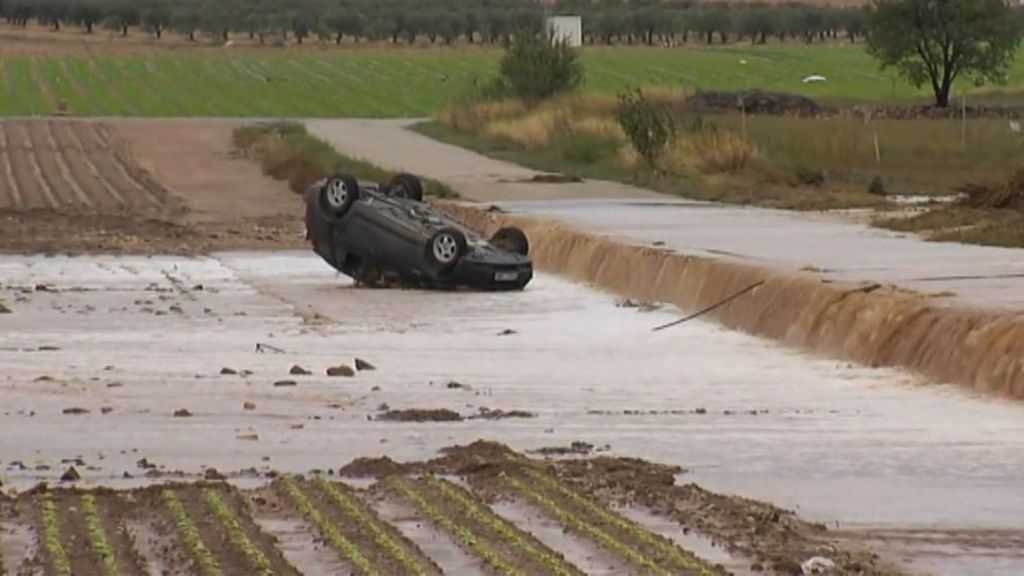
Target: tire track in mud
35,191
83,167
44,156
13,193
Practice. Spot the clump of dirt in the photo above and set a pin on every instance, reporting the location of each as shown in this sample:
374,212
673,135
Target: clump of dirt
381,467
755,102
344,371
499,414
641,305
1009,196
576,447
420,415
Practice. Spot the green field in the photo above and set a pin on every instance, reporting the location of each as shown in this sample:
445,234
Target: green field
405,82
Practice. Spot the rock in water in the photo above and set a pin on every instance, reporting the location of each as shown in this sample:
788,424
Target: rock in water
182,413
299,371
226,371
70,475
364,365
342,370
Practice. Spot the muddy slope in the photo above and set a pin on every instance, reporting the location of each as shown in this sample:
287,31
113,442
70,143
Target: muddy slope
869,324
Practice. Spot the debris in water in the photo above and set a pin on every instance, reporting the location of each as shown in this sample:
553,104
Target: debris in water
299,371
488,414
44,378
106,410
576,447
70,475
249,406
421,415
228,371
641,305
248,436
364,365
285,383
817,565
341,370
453,385
182,413
4,309
506,332
76,410
261,348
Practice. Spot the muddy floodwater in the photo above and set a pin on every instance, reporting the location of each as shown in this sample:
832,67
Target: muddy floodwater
99,353
822,243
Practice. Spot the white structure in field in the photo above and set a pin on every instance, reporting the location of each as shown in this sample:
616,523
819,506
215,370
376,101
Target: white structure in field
568,28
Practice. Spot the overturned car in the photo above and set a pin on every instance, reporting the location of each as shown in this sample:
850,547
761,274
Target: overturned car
385,235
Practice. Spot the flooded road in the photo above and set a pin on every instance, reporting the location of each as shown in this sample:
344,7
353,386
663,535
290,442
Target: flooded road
826,243
980,275
132,340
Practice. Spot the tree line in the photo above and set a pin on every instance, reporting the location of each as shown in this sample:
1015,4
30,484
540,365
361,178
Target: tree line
445,21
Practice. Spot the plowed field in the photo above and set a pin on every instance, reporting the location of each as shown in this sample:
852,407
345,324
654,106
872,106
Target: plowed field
72,166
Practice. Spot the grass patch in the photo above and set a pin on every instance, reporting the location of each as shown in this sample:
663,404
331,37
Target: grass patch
415,82
286,151
801,163
604,160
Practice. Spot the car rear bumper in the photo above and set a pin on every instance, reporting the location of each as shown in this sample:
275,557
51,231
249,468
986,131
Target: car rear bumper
483,276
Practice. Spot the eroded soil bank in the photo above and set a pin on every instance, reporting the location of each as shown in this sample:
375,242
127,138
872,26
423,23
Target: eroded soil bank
867,323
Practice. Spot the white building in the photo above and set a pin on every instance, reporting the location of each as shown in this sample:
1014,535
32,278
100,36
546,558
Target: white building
569,28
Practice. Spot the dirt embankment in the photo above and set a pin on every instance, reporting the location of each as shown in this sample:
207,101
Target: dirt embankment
868,324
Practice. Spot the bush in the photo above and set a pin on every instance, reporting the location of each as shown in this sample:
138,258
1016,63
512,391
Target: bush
648,125
536,67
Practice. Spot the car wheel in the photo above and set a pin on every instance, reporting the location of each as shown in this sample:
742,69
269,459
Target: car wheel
406,186
446,247
511,240
338,194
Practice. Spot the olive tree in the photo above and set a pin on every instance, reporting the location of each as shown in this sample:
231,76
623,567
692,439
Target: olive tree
937,41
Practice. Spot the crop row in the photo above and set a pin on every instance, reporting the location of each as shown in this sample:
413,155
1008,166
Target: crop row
466,537
236,532
342,545
352,509
98,536
680,557
51,538
500,526
190,534
606,540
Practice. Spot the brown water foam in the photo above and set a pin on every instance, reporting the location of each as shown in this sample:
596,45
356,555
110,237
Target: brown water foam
868,324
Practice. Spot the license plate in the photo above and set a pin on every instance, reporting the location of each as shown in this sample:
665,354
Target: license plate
506,276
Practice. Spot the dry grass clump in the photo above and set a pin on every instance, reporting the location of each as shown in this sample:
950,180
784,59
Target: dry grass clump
713,152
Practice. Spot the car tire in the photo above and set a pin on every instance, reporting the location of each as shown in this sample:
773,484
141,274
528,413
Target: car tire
338,194
446,247
406,186
512,240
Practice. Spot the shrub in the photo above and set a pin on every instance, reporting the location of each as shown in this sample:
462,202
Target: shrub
536,67
648,125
